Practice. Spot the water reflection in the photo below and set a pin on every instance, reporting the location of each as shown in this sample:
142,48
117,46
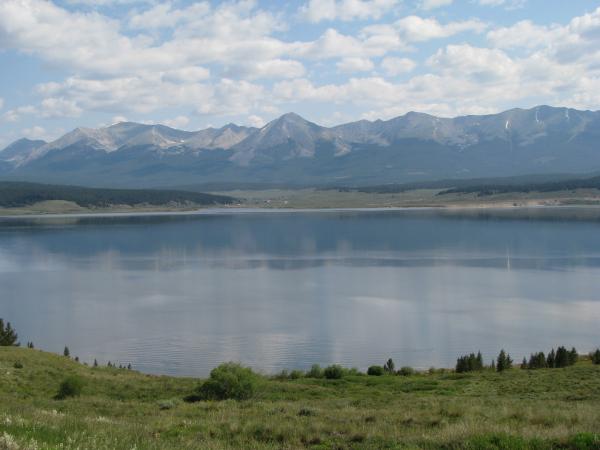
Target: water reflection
179,294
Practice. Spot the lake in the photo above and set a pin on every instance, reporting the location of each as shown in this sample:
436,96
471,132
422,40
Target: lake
179,294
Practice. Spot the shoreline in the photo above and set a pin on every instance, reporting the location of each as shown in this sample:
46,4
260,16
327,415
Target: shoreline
24,213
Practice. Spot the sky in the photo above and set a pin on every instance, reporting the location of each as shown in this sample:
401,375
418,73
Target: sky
194,64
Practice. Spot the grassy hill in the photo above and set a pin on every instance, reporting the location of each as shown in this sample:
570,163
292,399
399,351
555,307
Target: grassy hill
123,409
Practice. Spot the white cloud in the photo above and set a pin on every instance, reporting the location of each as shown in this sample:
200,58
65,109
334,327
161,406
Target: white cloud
106,2
15,114
346,10
395,66
179,122
163,15
118,119
255,121
352,65
508,4
186,75
59,107
37,132
418,29
524,34
432,4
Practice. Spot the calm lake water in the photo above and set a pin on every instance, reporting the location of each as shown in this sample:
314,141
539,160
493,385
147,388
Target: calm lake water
179,294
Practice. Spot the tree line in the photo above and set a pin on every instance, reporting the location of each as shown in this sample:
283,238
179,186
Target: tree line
19,194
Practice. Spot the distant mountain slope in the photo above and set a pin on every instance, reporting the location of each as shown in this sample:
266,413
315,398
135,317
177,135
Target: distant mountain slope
291,150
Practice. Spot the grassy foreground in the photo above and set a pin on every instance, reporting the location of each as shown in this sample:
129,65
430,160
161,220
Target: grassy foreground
121,409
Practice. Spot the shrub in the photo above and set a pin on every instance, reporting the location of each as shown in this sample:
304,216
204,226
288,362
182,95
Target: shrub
295,374
406,371
333,372
166,404
18,365
70,387
375,371
315,372
228,381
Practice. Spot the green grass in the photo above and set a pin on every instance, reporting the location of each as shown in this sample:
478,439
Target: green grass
121,409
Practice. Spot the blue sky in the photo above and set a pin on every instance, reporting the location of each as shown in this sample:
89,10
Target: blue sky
193,64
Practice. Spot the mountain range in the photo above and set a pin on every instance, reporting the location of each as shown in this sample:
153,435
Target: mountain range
293,151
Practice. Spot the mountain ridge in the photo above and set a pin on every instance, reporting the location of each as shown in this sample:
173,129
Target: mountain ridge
412,147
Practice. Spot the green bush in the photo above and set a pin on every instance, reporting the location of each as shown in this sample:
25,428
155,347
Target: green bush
315,372
18,365
295,374
333,372
228,381
406,371
70,387
375,371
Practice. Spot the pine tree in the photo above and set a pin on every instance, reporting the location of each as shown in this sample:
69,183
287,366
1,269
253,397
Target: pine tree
503,362
129,366
562,357
479,360
95,362
573,356
66,352
8,336
524,363
389,366
30,345
551,361
595,356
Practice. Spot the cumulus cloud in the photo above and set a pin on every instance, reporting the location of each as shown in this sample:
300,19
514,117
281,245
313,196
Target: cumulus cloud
352,65
395,66
432,4
418,29
346,10
508,4
255,121
235,59
179,122
13,115
37,132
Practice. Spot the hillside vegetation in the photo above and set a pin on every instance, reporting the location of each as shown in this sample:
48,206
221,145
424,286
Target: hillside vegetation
124,409
18,194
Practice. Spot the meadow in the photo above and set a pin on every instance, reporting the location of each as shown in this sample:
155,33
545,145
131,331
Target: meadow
125,409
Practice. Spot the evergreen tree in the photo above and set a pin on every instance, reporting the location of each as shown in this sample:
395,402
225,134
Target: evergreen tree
537,361
503,362
595,357
573,356
562,357
389,366
129,366
66,352
95,362
524,363
479,361
8,336
30,345
551,361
